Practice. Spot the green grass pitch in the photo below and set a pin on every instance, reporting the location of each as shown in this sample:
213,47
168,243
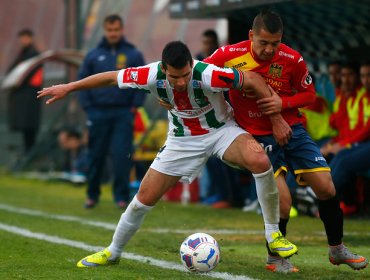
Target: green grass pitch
46,208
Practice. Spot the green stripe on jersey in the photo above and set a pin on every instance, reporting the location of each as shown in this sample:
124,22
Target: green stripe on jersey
201,99
179,130
162,92
198,70
211,119
160,74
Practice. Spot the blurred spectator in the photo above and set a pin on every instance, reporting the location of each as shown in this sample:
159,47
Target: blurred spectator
74,145
317,119
345,110
110,112
353,156
209,44
327,84
24,109
334,72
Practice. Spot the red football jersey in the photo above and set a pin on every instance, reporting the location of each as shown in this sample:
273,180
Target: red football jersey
339,119
355,125
286,73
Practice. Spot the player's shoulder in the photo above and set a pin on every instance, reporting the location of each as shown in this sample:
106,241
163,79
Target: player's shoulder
289,54
200,66
149,70
153,70
240,47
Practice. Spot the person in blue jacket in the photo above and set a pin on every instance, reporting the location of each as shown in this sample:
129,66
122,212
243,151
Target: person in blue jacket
110,112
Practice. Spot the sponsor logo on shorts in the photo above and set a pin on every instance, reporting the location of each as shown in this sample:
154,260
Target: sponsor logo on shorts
320,159
267,148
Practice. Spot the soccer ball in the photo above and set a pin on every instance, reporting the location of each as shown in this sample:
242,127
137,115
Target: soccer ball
200,252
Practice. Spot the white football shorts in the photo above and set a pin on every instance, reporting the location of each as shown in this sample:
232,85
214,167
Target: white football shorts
185,156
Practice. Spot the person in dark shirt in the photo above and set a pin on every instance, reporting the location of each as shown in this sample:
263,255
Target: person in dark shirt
110,112
209,44
24,110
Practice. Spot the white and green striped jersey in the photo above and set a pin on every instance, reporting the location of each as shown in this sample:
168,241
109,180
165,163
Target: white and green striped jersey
199,110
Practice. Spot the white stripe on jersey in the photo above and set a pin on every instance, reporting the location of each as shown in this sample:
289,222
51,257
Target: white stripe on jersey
145,77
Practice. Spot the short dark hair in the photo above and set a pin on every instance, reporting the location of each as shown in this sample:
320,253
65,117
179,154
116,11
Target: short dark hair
365,63
353,65
177,55
268,20
210,33
25,32
335,62
71,132
113,18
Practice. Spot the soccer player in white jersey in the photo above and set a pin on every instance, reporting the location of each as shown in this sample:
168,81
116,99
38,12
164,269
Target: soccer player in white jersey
201,125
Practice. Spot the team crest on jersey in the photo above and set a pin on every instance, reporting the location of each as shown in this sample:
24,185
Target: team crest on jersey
134,75
275,70
306,80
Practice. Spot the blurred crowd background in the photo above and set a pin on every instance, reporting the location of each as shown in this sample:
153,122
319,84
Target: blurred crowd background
333,36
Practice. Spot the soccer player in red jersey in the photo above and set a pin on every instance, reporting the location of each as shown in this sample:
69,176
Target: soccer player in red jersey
291,88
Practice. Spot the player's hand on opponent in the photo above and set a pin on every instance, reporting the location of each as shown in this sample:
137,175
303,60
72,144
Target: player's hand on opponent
270,105
56,92
280,129
165,104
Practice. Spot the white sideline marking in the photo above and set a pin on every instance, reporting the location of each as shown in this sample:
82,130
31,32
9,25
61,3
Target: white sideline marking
81,245
37,213
209,231
111,226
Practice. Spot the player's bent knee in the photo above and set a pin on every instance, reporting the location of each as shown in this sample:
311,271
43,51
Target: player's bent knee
260,164
326,192
146,198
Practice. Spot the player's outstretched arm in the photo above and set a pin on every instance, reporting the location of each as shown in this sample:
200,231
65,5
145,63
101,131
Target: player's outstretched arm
60,91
